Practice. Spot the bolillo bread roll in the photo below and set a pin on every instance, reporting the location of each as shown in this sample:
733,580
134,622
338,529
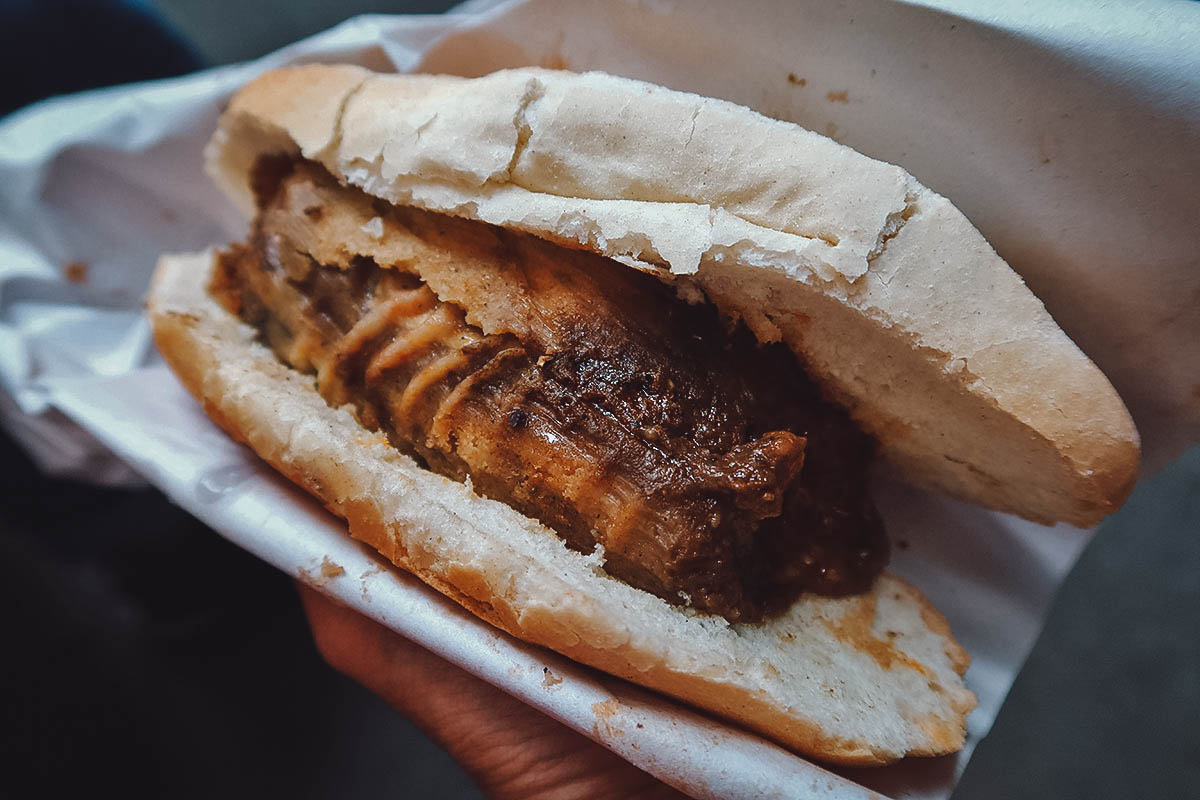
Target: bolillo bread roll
885,293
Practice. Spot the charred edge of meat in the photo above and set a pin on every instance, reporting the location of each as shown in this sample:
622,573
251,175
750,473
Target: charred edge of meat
706,465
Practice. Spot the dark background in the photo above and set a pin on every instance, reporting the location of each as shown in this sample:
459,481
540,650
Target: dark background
124,673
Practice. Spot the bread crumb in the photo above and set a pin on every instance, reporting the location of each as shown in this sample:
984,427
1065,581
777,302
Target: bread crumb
604,712
328,571
75,271
794,81
549,679
838,97
595,559
607,708
374,569
373,228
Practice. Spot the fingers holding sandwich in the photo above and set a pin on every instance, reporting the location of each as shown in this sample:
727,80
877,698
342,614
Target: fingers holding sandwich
507,747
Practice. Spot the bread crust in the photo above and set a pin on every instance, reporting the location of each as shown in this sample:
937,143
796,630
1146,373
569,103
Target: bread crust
884,290
861,680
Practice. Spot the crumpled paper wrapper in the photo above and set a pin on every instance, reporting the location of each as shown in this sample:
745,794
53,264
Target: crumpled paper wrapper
1070,137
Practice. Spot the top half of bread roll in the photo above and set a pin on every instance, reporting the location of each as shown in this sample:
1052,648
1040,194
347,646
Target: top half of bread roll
883,289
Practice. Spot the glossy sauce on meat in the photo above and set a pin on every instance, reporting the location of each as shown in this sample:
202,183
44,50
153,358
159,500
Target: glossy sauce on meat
581,392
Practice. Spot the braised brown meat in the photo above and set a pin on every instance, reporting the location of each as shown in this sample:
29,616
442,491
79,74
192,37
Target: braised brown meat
579,391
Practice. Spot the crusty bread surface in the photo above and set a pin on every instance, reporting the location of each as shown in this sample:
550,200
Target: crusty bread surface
884,290
859,680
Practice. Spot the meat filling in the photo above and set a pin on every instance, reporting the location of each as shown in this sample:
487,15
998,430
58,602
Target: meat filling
581,392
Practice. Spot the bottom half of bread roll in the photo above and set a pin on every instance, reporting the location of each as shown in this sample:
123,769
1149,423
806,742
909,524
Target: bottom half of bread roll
864,679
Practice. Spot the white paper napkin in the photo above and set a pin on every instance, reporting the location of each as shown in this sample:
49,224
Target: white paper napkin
1068,134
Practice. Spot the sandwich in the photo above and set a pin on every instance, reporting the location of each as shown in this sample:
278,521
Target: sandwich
609,364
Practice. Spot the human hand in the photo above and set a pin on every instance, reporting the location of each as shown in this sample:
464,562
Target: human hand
510,749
